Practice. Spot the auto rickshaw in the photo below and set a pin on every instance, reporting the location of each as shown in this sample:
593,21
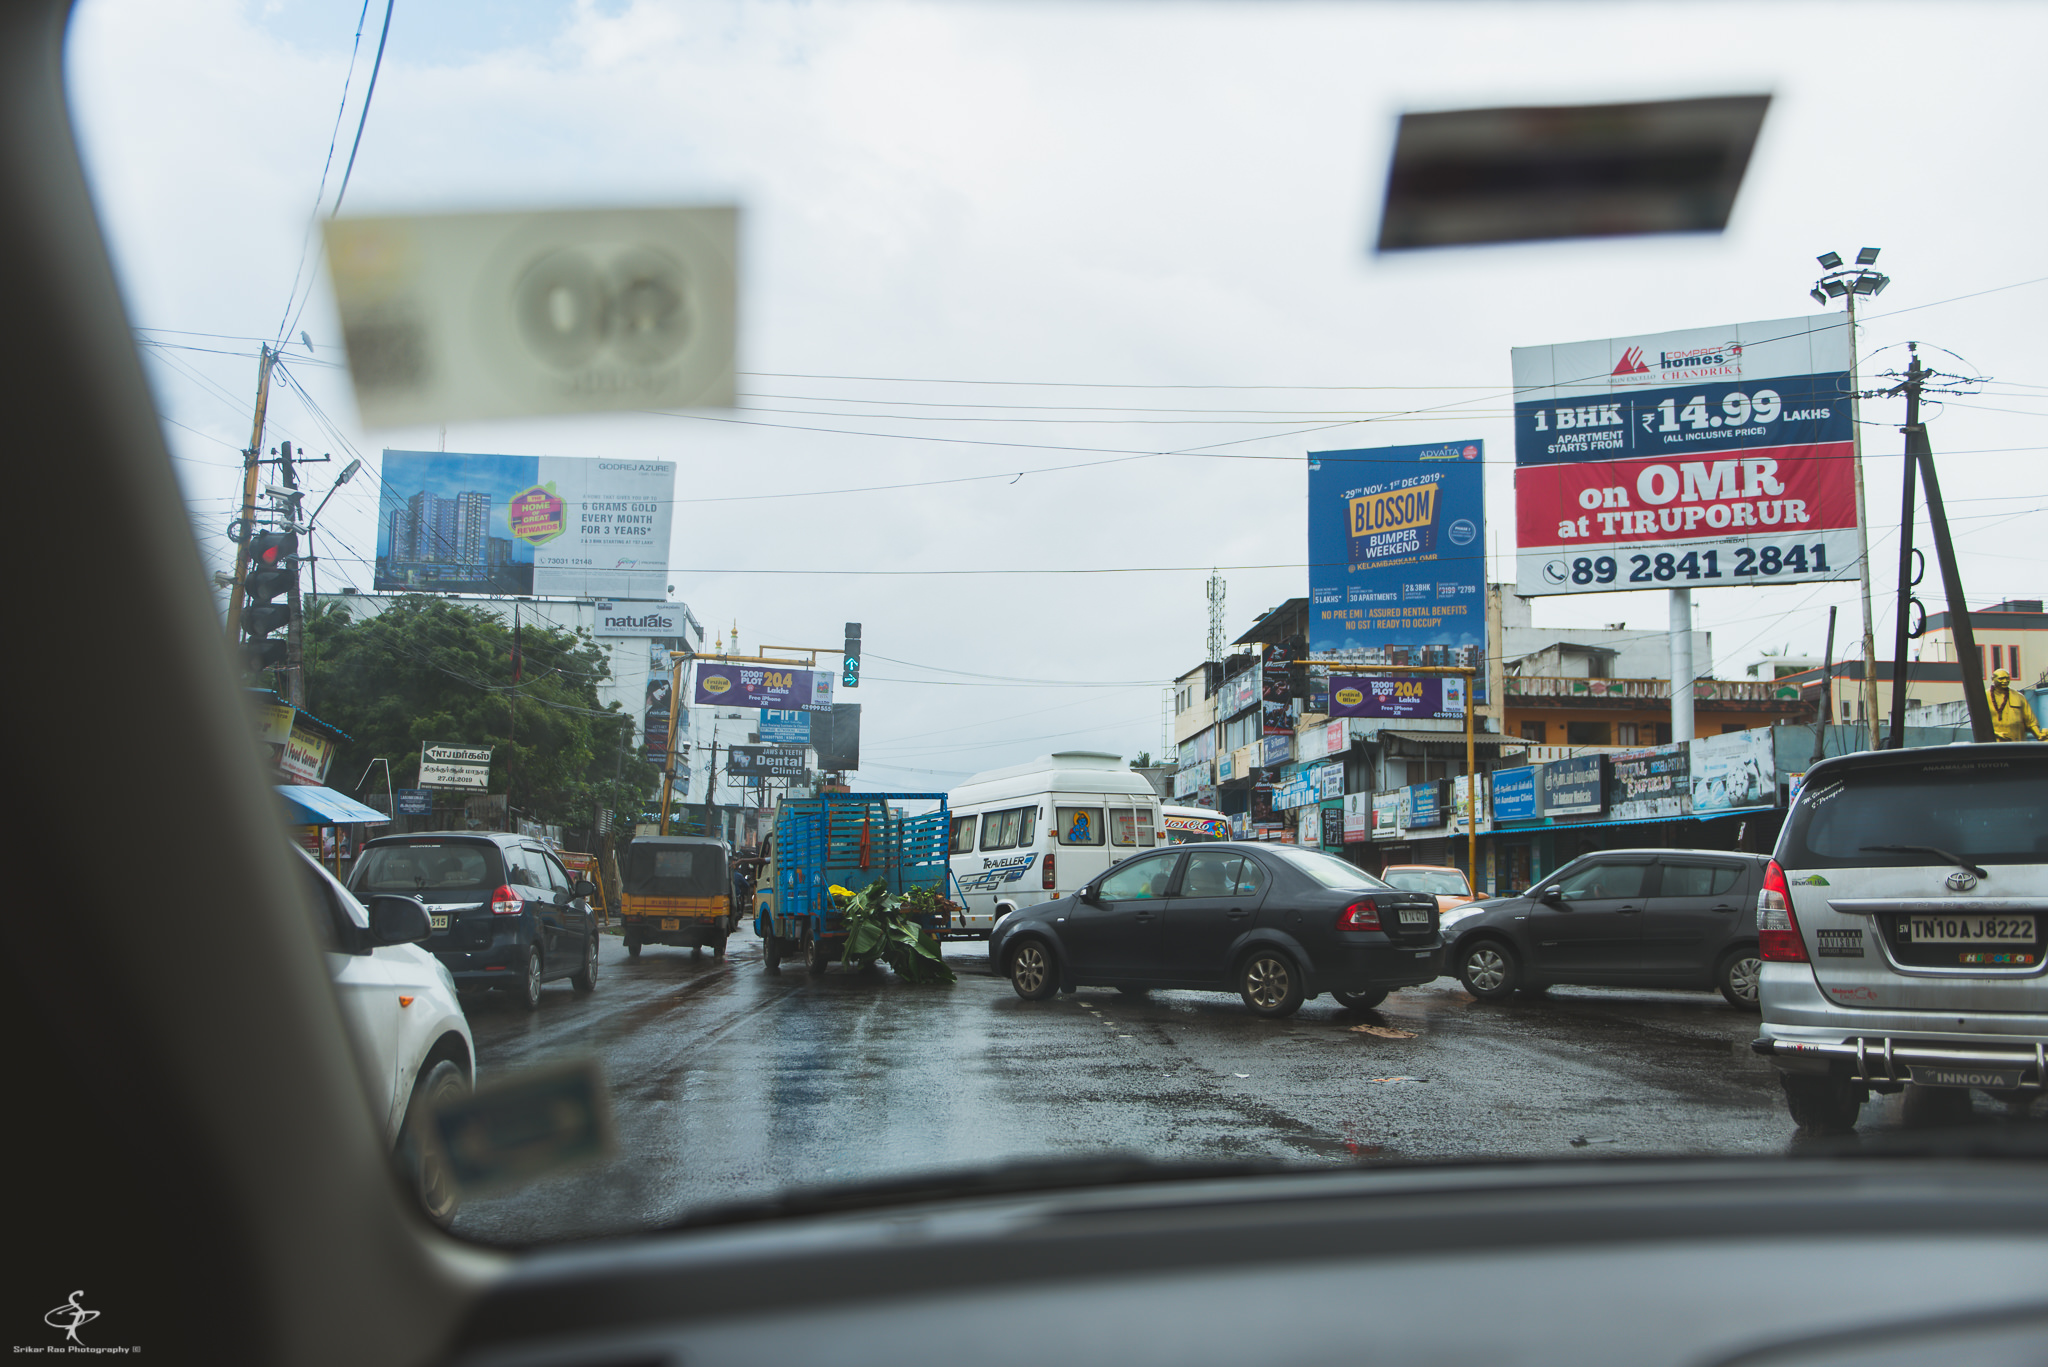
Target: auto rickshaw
676,890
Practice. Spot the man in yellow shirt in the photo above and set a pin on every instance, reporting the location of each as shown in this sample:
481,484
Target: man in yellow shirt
2011,717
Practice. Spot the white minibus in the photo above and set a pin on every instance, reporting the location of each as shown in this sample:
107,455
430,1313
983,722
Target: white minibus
1187,825
1036,831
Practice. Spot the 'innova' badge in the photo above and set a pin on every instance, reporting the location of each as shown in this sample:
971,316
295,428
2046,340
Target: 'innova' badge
1962,880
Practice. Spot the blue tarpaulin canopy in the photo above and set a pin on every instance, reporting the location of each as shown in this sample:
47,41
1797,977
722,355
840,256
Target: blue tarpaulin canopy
312,806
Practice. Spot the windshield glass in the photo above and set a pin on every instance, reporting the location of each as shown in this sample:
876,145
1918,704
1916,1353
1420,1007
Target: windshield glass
430,867
943,451
1328,870
1436,882
675,870
1989,811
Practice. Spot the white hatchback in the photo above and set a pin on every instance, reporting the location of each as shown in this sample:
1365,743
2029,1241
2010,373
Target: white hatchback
411,1039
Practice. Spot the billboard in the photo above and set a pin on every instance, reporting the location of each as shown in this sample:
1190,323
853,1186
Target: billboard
763,686
765,761
1371,695
667,620
1397,556
1239,691
1573,787
1702,458
1733,771
1514,794
1650,783
785,726
553,526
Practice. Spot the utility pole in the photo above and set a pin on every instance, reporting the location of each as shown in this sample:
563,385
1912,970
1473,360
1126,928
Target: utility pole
295,629
250,460
1896,739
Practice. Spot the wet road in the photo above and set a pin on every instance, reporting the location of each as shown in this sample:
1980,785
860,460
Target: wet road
730,1082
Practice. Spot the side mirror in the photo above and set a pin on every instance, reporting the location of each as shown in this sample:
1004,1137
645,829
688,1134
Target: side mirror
396,920
1090,894
583,887
1553,893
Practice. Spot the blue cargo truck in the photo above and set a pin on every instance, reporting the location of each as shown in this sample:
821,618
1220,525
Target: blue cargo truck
848,839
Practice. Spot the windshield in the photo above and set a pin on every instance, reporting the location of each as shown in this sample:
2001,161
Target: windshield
607,423
433,868
1436,882
1989,811
675,871
1328,870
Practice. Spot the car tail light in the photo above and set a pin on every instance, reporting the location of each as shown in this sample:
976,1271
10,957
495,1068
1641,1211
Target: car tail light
504,902
1046,881
1363,914
1777,929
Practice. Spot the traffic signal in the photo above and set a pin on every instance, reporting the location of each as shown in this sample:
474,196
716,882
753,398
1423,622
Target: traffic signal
849,669
273,569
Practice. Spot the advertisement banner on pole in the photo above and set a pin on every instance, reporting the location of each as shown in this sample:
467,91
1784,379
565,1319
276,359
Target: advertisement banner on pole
1383,695
1397,555
764,761
1704,458
552,526
763,686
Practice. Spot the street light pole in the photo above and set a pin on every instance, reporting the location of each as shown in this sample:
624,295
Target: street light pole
1846,283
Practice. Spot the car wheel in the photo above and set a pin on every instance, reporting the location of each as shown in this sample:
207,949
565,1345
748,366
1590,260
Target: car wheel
718,947
584,979
426,1167
1270,984
530,989
817,958
632,948
1031,971
771,952
1488,970
1823,1103
1738,977
1359,1001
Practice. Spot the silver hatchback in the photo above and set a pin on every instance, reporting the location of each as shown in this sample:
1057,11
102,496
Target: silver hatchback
1903,925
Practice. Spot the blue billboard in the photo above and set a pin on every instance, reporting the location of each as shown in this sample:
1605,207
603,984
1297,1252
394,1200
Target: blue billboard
1514,794
1397,556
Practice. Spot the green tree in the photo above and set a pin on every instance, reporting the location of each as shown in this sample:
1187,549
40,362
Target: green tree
429,670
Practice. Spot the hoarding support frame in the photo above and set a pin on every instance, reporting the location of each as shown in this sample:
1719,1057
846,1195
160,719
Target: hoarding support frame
1681,665
1468,674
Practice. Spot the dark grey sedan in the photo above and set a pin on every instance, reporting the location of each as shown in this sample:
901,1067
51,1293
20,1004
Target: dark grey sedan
1618,918
1274,923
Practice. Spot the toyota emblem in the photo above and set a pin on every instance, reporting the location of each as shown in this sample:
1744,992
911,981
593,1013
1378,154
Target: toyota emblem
1962,880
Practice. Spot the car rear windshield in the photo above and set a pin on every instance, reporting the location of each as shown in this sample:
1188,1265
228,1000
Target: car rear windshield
1988,811
1435,882
675,871
1329,870
439,869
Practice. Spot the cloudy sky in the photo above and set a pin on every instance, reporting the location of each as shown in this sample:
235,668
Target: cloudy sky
1081,284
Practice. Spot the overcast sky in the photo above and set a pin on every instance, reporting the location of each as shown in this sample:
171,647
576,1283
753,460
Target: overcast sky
1138,229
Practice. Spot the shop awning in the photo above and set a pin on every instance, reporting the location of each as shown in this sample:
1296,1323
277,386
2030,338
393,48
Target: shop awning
1453,742
1534,827
311,806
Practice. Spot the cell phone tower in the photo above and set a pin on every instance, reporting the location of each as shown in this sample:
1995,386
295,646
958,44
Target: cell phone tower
1215,615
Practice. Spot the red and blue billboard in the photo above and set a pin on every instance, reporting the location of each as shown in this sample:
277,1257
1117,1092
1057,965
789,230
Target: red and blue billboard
1705,458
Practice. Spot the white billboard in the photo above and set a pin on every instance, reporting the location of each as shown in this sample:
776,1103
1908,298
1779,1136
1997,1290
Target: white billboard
524,526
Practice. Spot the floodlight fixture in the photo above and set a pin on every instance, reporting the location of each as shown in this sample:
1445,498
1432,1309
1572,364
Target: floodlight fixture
1820,296
1870,282
1829,260
1835,288
1867,257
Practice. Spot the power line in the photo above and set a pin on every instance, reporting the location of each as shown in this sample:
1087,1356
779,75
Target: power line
369,93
